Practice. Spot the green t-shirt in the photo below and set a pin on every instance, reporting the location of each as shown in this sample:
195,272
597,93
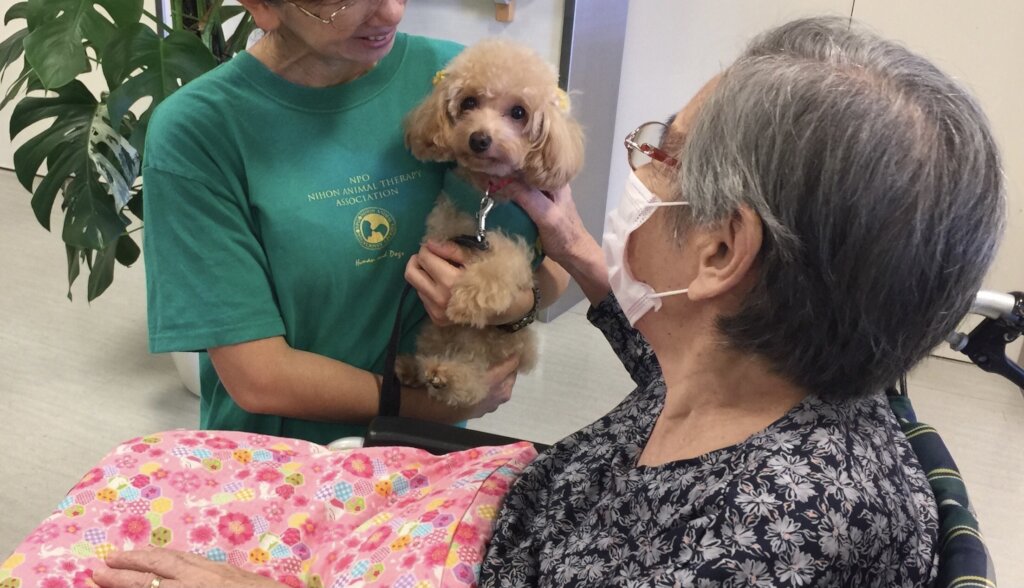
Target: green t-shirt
275,209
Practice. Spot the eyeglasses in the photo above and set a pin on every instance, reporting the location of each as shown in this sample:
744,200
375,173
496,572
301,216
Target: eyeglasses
345,5
641,146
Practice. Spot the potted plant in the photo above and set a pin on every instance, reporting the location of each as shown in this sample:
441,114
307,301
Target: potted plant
93,146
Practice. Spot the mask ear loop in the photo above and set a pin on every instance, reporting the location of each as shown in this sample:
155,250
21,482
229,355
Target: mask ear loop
669,293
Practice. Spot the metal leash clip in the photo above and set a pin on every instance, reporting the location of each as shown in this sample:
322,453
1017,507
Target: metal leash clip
479,241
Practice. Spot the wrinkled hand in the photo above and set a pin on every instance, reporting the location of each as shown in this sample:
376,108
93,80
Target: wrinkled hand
561,229
136,569
501,378
433,271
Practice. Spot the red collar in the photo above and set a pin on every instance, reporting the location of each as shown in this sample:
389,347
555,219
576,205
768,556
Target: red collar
496,185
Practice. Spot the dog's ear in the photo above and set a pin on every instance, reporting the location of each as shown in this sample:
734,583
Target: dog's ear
428,128
557,153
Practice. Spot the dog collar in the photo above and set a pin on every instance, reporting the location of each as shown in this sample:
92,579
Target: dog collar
496,186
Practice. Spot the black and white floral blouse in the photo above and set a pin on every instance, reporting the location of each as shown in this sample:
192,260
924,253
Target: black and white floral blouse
829,495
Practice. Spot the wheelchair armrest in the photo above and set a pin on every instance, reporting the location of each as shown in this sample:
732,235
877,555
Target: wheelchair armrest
433,437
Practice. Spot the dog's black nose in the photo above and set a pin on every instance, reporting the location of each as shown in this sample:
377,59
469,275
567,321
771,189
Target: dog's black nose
479,142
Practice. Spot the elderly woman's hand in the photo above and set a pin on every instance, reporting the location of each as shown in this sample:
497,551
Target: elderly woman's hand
563,236
174,569
561,230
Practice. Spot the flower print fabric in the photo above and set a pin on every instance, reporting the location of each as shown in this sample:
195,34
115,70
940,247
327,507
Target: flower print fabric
288,509
829,495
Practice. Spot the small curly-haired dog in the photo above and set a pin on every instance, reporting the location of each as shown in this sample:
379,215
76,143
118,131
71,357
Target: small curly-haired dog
496,111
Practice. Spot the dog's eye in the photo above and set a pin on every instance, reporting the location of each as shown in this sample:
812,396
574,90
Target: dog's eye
518,112
468,103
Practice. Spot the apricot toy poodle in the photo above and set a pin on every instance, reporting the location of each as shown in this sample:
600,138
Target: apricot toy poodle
496,111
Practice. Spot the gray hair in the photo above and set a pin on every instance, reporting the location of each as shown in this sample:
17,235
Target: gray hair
879,185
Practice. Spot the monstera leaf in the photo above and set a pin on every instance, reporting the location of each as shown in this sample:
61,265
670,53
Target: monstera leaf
61,29
92,147
163,65
78,138
11,49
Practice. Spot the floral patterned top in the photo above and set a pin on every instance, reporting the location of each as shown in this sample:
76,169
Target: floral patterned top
831,494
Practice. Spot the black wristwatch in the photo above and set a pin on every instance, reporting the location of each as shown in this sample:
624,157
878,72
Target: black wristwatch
527,319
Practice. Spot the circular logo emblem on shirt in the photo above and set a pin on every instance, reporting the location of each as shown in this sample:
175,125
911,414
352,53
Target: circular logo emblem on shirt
374,227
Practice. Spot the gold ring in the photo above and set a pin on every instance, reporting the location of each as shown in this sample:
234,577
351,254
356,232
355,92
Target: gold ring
155,582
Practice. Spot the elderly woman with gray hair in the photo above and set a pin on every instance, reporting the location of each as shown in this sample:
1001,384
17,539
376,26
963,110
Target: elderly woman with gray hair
803,232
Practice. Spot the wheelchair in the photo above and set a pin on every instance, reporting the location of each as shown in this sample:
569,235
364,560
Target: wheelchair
964,561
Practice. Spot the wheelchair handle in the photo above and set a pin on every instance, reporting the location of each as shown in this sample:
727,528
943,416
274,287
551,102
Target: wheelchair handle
986,344
997,305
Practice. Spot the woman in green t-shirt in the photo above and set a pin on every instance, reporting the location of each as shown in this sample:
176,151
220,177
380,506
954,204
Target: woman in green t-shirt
261,177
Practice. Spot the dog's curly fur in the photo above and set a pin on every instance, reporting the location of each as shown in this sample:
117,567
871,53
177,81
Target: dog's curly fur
508,94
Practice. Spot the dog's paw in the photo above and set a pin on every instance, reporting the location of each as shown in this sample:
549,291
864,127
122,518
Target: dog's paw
455,384
408,371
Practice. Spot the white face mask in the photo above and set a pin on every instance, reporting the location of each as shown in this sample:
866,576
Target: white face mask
638,204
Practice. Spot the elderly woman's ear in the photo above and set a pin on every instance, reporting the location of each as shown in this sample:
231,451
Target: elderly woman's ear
726,254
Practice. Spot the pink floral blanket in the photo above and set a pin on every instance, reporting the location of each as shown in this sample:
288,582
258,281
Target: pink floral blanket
291,510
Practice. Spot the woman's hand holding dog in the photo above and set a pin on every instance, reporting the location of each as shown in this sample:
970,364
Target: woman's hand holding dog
501,379
436,268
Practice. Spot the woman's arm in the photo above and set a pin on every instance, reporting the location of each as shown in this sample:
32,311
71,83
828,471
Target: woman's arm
267,376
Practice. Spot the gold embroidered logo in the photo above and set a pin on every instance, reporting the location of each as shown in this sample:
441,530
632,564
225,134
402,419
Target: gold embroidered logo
374,227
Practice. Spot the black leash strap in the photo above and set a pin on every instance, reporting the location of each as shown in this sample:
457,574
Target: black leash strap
391,388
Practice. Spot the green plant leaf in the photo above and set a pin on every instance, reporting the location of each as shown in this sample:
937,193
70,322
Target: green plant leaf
91,221
11,49
166,64
241,35
79,149
114,157
18,10
135,204
128,251
73,107
56,45
74,266
101,275
226,13
27,77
